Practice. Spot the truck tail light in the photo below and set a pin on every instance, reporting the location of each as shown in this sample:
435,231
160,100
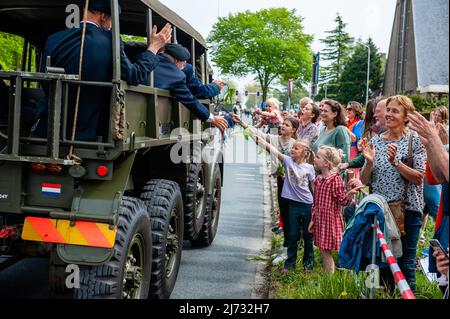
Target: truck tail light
102,171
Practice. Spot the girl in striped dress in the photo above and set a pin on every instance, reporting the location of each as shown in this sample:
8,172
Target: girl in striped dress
327,224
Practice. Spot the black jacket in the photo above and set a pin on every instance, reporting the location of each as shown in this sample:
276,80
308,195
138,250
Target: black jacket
169,77
64,49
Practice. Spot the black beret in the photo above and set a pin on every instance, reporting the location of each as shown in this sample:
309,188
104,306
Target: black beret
177,51
102,6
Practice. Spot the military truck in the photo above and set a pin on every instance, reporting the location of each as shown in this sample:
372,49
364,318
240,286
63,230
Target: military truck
117,209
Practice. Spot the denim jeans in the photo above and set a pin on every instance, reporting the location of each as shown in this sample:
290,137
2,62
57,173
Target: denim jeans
432,198
407,263
299,219
283,204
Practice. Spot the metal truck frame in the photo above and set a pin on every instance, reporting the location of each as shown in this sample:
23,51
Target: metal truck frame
122,212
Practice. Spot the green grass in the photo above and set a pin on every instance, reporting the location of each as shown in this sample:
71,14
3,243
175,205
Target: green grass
343,284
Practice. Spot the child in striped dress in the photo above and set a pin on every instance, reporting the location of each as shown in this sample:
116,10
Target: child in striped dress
327,224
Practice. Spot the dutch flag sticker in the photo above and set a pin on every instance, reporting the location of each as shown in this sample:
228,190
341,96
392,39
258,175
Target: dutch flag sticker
51,189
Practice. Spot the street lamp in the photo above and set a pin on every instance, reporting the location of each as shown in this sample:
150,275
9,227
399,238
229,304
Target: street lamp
368,73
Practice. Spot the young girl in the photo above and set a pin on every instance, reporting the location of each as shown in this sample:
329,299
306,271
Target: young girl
272,117
327,223
297,190
283,142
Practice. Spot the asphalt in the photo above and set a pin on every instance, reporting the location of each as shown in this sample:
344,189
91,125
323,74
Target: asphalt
225,269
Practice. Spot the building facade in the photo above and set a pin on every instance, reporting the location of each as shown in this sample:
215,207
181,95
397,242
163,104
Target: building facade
418,59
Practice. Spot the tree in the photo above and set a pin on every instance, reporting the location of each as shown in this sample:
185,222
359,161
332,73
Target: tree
269,43
337,50
11,47
298,93
354,76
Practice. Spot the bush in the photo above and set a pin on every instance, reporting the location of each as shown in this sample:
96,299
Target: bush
425,105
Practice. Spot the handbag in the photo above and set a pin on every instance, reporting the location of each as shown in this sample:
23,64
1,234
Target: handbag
398,207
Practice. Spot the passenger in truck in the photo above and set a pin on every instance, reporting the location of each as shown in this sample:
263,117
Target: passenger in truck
197,88
169,76
64,49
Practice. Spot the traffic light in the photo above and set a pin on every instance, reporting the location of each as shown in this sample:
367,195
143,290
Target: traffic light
237,93
246,93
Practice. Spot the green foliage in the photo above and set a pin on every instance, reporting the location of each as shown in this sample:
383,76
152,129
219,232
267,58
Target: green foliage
337,51
270,43
343,284
426,105
11,47
354,76
298,94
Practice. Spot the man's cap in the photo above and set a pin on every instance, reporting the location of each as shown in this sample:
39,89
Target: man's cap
177,51
102,6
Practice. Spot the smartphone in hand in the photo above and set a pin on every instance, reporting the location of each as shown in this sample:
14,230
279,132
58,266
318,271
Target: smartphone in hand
437,246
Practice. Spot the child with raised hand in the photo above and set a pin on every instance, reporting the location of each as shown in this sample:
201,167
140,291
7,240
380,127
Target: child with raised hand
327,224
283,141
297,190
272,117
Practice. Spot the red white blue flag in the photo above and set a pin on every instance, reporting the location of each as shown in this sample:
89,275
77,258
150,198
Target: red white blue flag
51,189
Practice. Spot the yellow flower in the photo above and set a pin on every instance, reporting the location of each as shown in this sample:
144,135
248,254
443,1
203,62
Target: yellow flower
344,294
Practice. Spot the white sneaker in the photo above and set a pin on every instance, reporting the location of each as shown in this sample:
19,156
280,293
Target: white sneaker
282,257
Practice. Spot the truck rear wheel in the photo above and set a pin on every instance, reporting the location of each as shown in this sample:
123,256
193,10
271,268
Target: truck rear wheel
209,228
57,274
127,274
165,205
195,201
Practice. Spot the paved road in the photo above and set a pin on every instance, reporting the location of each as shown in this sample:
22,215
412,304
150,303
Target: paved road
220,271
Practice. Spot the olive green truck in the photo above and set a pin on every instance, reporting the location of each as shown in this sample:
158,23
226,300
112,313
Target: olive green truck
118,208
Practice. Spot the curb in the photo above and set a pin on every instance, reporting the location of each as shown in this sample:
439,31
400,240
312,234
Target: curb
258,291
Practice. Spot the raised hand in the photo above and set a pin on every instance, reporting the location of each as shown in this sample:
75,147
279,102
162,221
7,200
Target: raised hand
220,83
159,40
391,152
220,123
368,151
425,129
356,184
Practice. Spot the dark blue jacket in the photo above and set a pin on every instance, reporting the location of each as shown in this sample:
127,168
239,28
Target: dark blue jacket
64,49
198,89
169,77
356,247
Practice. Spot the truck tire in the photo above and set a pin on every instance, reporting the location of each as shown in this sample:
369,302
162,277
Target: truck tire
195,201
57,274
209,228
165,205
127,275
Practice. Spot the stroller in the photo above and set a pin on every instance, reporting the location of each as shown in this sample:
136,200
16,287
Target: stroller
359,249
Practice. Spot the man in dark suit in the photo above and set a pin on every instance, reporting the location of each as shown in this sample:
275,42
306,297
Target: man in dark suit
64,49
197,88
169,76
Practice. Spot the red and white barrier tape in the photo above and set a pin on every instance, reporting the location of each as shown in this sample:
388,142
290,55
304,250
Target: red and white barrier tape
400,280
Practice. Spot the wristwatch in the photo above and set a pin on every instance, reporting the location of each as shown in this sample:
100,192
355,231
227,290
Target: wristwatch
396,162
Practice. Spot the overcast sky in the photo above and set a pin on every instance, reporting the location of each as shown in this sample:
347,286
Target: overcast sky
364,18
